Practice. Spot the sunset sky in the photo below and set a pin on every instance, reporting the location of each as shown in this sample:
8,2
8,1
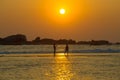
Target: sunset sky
82,20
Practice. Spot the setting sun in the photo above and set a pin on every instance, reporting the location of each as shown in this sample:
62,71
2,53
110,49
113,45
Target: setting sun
62,11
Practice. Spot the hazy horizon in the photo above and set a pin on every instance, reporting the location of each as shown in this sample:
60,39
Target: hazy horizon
83,20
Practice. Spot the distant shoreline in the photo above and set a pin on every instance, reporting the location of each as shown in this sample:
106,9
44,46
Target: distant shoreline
20,39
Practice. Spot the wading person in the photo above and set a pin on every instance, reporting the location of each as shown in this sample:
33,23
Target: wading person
54,47
66,49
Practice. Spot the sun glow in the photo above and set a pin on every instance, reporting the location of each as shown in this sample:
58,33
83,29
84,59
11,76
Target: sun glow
62,11
61,54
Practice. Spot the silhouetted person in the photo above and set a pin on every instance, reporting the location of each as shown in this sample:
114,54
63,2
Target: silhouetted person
67,49
54,47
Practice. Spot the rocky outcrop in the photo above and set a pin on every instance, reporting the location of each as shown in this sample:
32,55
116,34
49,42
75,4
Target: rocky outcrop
21,39
14,40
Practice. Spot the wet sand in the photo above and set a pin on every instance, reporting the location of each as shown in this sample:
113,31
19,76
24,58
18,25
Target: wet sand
73,67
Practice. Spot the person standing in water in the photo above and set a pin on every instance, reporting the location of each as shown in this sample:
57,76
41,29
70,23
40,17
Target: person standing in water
66,49
54,47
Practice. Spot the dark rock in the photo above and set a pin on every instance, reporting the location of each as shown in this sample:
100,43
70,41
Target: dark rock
15,39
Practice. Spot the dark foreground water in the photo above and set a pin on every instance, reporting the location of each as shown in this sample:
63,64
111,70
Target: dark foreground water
79,67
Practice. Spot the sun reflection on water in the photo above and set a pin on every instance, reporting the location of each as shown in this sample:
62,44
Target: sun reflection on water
62,68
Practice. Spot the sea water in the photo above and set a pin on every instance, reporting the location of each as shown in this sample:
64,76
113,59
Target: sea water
102,64
23,49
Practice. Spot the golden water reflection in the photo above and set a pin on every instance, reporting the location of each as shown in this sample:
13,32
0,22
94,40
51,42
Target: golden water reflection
62,68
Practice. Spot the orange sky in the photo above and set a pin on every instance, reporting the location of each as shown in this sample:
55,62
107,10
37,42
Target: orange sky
84,19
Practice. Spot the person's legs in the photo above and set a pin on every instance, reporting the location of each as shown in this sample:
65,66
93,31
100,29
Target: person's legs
64,52
67,52
54,52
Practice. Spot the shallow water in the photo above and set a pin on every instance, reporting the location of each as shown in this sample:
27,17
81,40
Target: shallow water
61,67
27,49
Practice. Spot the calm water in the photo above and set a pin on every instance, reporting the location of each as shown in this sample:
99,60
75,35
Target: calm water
87,67
102,63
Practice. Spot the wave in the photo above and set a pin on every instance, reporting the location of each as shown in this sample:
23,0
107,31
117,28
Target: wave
72,51
97,51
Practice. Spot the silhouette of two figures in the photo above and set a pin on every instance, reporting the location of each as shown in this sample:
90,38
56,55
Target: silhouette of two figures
66,49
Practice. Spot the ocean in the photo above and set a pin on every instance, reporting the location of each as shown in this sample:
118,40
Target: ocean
24,49
27,62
